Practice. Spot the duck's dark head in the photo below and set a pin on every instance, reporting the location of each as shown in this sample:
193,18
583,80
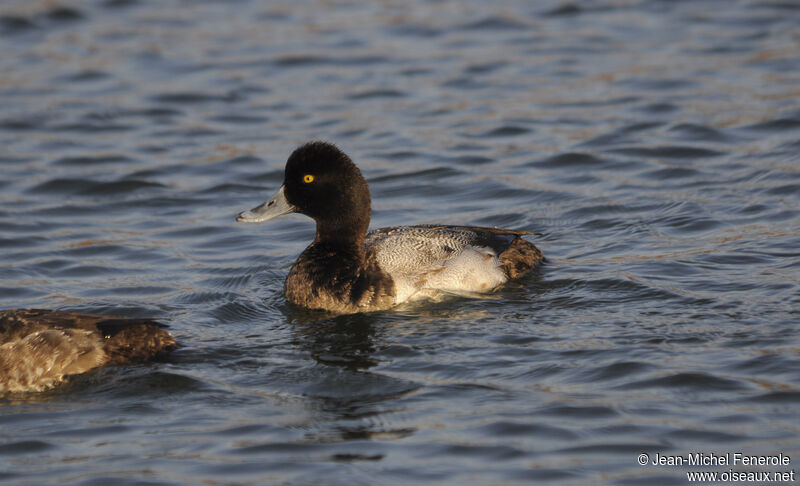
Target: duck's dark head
322,182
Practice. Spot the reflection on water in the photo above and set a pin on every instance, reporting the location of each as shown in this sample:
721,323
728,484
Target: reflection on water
651,147
343,341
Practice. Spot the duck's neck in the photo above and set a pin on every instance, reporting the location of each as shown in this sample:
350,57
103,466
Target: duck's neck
345,233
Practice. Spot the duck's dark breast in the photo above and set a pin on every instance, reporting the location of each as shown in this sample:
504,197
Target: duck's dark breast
337,281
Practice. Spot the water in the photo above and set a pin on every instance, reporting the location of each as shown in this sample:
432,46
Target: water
652,147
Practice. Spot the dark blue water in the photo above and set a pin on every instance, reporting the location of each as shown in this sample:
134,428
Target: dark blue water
651,146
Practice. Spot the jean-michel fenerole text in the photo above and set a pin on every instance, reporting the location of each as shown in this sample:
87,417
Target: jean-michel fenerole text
722,459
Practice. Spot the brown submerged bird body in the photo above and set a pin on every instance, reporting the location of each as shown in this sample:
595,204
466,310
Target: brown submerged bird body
40,348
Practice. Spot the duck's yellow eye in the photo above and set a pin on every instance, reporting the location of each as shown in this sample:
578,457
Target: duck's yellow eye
308,178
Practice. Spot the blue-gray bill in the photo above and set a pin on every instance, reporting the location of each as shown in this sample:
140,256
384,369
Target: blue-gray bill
276,206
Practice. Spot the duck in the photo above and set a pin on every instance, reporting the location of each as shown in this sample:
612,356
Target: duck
42,348
348,269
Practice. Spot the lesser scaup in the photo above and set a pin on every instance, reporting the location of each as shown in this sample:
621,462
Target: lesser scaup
348,270
39,348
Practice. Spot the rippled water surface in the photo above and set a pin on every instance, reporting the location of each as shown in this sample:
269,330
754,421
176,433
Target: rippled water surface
651,146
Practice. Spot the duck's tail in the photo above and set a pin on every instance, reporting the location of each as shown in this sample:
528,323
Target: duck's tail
520,256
